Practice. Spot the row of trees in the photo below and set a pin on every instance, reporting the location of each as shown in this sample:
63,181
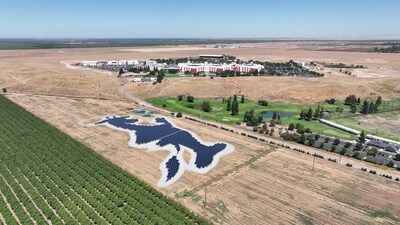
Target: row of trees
343,66
395,48
312,114
371,107
233,105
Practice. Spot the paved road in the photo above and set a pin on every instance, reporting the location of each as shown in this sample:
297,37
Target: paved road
356,164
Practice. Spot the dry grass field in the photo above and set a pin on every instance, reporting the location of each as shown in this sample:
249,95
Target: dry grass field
47,72
256,184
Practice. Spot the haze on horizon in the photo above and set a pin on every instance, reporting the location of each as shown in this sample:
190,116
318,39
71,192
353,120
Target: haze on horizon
206,19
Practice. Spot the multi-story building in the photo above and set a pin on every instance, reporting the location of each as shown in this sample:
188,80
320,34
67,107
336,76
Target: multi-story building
212,68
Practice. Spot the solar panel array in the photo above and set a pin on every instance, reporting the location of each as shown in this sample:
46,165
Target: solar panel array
167,134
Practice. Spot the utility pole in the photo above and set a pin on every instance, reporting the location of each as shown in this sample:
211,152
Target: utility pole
205,195
313,163
340,157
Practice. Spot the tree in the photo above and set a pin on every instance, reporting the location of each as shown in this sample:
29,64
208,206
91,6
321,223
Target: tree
321,112
300,128
316,113
350,100
179,115
272,123
250,119
336,141
330,101
302,114
311,140
358,101
378,101
180,97
362,137
159,78
397,157
309,114
291,126
234,106
206,106
190,99
245,116
372,152
274,116
263,102
390,164
242,99
302,138
364,109
228,104
358,146
371,107
353,109
343,151
121,71
4,90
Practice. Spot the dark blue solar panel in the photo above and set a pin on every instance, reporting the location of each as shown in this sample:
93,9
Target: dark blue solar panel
205,154
172,167
140,112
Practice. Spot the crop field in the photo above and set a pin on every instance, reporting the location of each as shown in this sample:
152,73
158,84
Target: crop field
49,178
220,114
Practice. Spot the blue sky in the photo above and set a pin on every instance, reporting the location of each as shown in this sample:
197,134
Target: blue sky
198,19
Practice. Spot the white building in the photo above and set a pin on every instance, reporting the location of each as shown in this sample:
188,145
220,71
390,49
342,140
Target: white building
303,64
208,68
89,63
132,62
144,79
151,64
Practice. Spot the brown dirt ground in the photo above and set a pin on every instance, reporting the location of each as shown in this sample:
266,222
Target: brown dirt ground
257,184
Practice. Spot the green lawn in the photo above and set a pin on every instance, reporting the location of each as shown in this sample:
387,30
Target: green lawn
171,75
219,113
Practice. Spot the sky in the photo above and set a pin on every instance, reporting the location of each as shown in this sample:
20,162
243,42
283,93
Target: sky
198,19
